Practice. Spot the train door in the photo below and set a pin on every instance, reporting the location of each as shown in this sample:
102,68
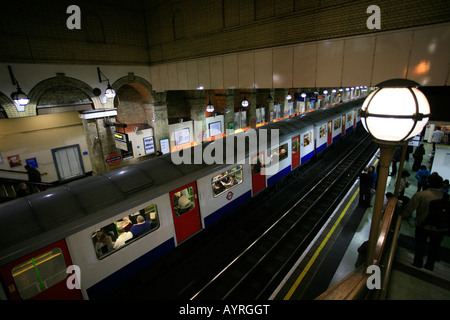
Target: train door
354,118
295,151
343,124
185,211
41,275
330,133
258,178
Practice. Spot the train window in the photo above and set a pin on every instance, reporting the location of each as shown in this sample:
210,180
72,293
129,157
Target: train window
120,233
323,130
226,180
337,124
39,273
350,117
307,139
279,154
184,201
295,144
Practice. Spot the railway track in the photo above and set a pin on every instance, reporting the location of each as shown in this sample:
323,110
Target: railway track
226,255
255,272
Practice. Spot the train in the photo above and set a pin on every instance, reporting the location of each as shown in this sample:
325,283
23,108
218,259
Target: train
81,239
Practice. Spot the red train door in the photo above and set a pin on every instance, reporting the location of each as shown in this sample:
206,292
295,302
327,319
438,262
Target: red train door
343,124
258,178
295,152
185,211
41,275
330,133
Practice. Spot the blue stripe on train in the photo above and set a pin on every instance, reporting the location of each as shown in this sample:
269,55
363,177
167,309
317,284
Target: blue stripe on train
321,148
307,157
216,215
278,175
103,286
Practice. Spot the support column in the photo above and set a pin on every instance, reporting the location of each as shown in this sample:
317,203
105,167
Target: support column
157,116
198,115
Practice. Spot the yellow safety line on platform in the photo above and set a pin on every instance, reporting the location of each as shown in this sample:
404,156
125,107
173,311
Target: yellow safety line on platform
324,242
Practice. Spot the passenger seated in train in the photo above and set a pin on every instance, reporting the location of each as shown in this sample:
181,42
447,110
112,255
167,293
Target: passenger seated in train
218,185
125,223
184,205
142,226
123,237
103,243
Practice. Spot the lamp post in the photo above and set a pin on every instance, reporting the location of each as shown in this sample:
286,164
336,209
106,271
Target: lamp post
395,112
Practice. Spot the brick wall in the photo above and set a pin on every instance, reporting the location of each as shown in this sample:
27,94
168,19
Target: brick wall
146,32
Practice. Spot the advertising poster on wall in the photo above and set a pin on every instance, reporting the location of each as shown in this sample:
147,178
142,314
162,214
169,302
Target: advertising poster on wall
14,161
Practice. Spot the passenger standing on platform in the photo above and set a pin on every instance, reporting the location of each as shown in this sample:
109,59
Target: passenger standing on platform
365,182
418,157
396,158
404,183
436,137
420,203
374,177
445,186
422,177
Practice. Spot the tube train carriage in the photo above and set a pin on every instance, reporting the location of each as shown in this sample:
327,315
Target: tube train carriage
111,225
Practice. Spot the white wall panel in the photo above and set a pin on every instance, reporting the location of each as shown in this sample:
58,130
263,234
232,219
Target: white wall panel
391,56
155,78
192,74
230,67
358,61
329,63
282,67
173,76
182,76
429,61
246,70
204,77
263,69
304,69
216,64
164,76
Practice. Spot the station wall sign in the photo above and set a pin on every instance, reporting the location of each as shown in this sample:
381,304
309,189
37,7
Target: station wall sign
113,159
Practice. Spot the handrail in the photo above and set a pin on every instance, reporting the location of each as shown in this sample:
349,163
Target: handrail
390,261
354,286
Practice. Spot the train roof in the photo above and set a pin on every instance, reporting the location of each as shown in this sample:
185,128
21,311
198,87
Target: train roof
34,221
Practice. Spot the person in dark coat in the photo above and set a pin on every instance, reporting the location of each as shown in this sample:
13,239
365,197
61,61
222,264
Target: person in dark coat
33,174
396,158
418,157
365,184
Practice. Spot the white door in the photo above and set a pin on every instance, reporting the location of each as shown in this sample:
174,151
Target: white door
68,162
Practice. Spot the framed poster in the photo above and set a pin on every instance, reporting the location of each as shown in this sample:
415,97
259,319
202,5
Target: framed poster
14,161
165,146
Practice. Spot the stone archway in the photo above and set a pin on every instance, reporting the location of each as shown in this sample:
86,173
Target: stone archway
8,106
59,81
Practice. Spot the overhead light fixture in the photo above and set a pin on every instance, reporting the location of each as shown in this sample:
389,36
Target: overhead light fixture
109,92
209,106
288,97
19,97
244,103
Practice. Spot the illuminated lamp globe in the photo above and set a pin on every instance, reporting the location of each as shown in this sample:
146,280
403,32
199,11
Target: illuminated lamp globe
209,107
20,99
244,103
109,92
396,111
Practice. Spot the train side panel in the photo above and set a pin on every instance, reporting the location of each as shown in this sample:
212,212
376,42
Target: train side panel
219,197
100,274
307,147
